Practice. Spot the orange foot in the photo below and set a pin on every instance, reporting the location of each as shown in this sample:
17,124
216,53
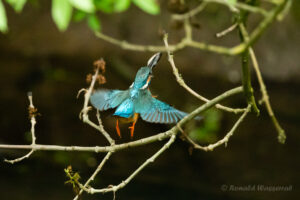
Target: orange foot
135,118
131,129
118,129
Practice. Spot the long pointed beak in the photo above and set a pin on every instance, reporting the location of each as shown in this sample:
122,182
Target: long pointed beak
154,60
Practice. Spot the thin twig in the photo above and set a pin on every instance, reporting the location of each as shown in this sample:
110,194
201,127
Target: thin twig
255,34
86,108
147,140
115,188
208,105
191,13
265,98
107,156
241,6
100,127
232,51
224,140
32,113
136,47
181,82
226,31
248,90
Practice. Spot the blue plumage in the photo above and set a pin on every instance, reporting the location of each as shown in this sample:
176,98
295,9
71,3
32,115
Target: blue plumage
107,99
137,99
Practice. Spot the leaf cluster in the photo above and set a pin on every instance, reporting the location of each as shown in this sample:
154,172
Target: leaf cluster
64,11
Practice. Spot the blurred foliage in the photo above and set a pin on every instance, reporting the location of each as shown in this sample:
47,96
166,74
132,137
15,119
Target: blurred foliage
93,23
3,20
63,10
211,125
17,4
61,158
65,158
61,13
56,74
295,10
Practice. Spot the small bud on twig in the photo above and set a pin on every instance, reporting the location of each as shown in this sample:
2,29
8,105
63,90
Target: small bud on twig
100,64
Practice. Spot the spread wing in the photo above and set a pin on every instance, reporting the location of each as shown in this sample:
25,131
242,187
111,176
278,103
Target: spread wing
155,111
106,99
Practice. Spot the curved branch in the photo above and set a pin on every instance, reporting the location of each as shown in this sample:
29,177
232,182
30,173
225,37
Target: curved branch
224,140
265,98
185,42
32,113
227,30
94,174
84,112
181,82
136,47
248,90
191,13
241,6
259,29
115,188
118,147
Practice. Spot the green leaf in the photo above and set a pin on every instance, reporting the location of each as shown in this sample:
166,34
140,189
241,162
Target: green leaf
61,13
94,22
79,15
84,5
148,6
17,4
121,5
106,6
3,19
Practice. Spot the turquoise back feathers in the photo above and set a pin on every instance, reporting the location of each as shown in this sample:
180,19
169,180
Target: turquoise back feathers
137,99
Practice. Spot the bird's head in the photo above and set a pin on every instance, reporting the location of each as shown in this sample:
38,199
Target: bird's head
144,75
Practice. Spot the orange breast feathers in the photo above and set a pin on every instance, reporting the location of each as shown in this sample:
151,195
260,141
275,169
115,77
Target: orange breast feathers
128,120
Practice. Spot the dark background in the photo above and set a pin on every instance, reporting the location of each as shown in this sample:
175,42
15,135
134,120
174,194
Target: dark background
35,56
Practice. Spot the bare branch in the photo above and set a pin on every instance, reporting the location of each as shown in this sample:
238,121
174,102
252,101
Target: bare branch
140,168
232,51
147,140
86,108
263,89
32,113
226,31
96,172
190,90
224,140
248,90
191,13
136,47
241,6
259,28
265,98
243,48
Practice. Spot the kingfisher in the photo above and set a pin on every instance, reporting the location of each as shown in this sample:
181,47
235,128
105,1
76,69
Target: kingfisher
137,101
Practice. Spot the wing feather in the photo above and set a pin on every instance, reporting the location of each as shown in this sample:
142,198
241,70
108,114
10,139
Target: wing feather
155,111
107,99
